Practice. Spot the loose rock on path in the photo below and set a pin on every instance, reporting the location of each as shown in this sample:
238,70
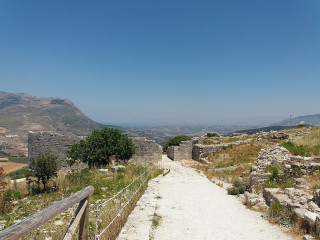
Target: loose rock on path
188,206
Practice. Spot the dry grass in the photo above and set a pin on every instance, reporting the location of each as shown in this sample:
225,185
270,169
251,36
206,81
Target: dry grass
12,166
312,139
242,157
105,186
295,130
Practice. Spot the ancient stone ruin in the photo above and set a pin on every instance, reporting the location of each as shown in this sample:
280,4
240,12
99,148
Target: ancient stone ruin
181,152
147,151
197,150
304,207
52,143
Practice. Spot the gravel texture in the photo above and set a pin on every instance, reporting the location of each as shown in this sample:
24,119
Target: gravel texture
189,206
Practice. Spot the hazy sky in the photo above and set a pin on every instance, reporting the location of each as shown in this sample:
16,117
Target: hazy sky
166,62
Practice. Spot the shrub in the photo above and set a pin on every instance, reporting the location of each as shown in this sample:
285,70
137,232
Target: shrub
43,168
176,141
213,135
239,186
278,180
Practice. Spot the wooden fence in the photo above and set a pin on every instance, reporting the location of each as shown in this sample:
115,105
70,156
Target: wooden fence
81,217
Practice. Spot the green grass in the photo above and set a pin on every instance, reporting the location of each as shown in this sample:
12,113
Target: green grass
155,222
104,185
18,174
302,150
278,179
19,159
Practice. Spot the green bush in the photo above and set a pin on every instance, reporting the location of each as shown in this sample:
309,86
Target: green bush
213,135
176,140
43,168
100,145
239,186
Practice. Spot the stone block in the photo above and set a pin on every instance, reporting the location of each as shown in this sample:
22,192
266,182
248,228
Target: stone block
104,171
317,225
300,181
310,218
308,237
268,194
116,168
299,213
316,195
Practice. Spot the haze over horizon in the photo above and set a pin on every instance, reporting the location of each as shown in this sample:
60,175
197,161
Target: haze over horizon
166,63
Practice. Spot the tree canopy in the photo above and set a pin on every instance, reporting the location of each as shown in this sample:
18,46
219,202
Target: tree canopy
97,148
176,141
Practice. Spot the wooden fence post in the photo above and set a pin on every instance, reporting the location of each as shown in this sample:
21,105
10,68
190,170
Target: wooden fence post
84,222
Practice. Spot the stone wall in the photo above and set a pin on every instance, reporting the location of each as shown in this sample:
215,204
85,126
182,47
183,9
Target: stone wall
181,152
52,143
200,151
147,151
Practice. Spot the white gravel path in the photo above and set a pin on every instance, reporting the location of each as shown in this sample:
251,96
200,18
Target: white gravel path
191,207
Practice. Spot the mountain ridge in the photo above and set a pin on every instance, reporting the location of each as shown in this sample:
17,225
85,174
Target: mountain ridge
21,112
311,119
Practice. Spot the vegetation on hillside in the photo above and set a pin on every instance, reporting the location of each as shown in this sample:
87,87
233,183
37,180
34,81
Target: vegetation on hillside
20,201
176,140
213,135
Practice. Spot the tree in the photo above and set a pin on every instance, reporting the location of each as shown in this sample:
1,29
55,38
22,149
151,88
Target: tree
100,145
44,168
213,135
176,141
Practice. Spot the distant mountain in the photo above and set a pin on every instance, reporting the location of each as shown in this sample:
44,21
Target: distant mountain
307,120
162,134
264,129
20,113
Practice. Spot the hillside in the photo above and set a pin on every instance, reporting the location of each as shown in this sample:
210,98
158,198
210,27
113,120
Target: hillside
306,120
20,113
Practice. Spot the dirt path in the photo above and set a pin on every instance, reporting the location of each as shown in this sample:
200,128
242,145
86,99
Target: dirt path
191,207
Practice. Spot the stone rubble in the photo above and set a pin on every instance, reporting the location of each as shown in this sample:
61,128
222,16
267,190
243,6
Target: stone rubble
303,206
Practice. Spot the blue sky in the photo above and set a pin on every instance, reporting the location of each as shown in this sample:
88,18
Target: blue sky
166,62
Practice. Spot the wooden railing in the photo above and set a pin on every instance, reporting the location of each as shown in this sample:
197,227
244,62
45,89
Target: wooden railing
81,217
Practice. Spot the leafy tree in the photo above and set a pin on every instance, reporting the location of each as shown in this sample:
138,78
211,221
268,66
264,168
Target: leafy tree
100,145
44,168
176,141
